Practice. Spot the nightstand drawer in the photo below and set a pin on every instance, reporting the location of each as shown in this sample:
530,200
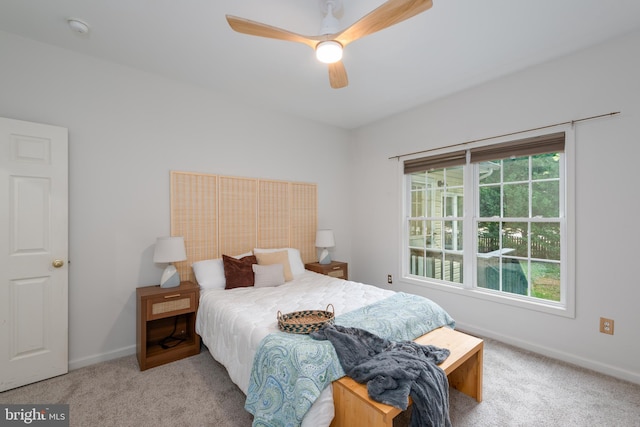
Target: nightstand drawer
336,272
170,305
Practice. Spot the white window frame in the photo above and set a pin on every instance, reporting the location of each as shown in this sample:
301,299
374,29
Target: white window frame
566,307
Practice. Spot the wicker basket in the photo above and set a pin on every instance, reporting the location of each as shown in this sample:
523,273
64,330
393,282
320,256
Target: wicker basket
305,322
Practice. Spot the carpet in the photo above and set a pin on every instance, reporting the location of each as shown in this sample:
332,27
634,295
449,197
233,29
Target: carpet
520,389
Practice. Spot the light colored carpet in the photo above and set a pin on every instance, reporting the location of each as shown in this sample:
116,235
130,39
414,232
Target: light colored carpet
520,389
528,390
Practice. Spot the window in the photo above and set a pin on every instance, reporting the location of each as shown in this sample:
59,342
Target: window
491,220
435,225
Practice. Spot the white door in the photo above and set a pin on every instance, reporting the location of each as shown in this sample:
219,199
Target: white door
33,252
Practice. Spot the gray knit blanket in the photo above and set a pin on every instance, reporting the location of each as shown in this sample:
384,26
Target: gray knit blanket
393,371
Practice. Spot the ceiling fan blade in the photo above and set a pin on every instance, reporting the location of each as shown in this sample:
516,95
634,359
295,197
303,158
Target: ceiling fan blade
253,28
338,75
388,14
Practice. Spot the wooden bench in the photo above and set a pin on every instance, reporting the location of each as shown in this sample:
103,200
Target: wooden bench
354,408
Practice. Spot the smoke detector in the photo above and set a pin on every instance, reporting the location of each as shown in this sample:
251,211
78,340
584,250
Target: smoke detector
78,26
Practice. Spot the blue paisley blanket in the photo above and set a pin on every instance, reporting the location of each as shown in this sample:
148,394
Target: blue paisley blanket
290,371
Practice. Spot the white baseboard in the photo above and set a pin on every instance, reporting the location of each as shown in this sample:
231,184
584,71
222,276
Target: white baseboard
103,357
602,368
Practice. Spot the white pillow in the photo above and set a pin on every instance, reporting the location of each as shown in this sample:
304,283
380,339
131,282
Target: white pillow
210,272
268,275
295,261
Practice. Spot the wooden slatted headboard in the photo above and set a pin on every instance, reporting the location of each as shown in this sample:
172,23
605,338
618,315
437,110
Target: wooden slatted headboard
232,215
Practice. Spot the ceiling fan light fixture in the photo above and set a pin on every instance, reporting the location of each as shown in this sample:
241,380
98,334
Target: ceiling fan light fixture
329,51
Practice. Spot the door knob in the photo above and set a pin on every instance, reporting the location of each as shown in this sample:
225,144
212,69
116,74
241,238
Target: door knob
58,263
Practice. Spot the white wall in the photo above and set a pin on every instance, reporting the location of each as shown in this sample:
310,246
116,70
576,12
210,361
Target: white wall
127,130
599,80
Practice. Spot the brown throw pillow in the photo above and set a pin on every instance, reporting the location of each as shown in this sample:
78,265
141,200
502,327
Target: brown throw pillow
238,272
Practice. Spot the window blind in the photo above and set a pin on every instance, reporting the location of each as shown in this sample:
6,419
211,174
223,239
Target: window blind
552,143
423,164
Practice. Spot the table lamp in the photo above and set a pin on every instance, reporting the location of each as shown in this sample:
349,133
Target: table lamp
324,240
169,250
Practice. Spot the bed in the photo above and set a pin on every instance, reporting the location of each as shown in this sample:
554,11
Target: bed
233,322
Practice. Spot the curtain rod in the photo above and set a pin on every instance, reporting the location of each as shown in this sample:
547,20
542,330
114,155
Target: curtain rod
572,122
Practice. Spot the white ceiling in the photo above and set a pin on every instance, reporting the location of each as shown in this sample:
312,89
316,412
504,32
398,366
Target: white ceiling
454,45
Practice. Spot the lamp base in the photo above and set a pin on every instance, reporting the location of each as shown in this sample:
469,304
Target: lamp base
170,277
325,257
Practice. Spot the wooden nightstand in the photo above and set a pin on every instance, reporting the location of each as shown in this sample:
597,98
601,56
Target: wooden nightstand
335,269
166,324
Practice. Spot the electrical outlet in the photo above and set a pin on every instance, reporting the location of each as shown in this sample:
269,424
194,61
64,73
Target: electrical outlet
389,278
606,326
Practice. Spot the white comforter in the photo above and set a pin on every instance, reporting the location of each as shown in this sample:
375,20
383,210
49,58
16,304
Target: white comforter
233,322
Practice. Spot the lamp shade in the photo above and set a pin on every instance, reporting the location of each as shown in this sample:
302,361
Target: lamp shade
324,239
169,249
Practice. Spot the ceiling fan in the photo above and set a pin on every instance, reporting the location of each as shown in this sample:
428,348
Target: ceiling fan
329,44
